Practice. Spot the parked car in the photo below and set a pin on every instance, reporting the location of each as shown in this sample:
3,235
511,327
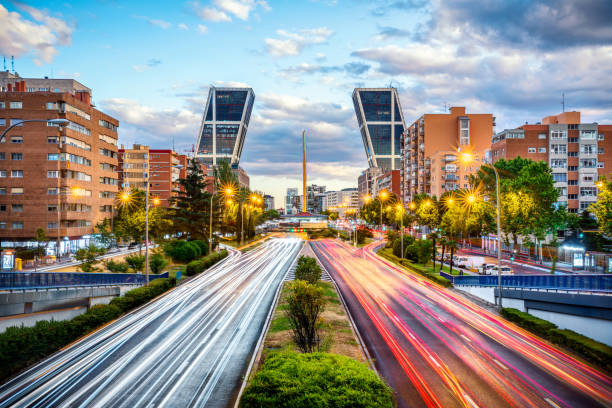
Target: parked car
133,245
486,269
505,270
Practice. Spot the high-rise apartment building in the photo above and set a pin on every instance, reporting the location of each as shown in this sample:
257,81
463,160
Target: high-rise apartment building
429,156
268,202
159,164
48,170
578,153
224,125
315,194
381,123
366,181
389,181
293,201
343,200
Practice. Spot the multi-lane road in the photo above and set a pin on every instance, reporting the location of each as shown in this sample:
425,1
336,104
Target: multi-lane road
189,348
437,349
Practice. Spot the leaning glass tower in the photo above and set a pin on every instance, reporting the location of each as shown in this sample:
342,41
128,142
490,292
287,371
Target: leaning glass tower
224,125
381,123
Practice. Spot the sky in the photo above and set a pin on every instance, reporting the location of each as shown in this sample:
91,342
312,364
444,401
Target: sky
150,64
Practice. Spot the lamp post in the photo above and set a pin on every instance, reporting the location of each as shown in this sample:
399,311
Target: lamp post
467,158
59,122
382,197
148,178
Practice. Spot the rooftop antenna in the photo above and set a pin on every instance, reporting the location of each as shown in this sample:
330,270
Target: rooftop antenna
4,58
563,100
13,64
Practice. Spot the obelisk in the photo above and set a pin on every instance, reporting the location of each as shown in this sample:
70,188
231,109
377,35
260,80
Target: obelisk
304,192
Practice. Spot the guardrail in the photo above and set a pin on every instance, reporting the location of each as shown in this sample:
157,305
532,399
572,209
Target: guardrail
567,282
40,280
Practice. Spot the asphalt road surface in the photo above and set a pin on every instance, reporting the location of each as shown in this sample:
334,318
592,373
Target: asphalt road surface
189,348
437,349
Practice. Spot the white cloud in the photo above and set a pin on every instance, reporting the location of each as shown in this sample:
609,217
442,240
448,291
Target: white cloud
292,43
183,26
19,36
202,29
223,10
159,23
212,14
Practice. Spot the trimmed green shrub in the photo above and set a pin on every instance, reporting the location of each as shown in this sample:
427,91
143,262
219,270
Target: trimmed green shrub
22,346
362,234
289,379
421,270
117,267
182,251
308,270
525,320
203,245
305,303
199,266
136,262
157,263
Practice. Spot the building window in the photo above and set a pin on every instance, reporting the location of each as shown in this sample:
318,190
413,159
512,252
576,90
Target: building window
541,150
53,156
53,139
572,140
52,174
52,225
43,89
562,191
16,207
542,136
600,137
52,191
589,148
16,105
559,177
51,105
2,225
52,208
588,163
17,139
572,196
2,156
558,134
2,190
600,165
531,150
600,150
588,135
3,207
17,225
558,163
2,122
17,173
572,182
16,156
18,122
17,190
109,125
588,191
2,105
558,149
2,173
572,154
464,131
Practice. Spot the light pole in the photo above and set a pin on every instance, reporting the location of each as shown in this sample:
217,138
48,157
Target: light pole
59,122
148,178
382,197
400,207
467,158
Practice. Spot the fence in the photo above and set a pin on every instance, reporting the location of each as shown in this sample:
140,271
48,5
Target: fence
569,282
39,280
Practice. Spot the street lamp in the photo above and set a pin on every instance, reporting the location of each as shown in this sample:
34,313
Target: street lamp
400,207
382,197
59,122
468,158
148,177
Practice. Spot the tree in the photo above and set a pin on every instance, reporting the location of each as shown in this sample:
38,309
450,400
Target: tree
41,237
105,235
88,258
157,263
308,270
305,304
452,246
190,214
136,262
602,208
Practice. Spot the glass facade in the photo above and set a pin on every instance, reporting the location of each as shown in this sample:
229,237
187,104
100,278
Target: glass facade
381,125
224,125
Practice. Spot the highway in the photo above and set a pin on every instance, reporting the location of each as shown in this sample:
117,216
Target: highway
189,348
437,349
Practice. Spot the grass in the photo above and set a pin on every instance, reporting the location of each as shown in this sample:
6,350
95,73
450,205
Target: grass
426,271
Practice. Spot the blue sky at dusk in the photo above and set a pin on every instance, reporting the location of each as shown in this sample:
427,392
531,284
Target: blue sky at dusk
150,64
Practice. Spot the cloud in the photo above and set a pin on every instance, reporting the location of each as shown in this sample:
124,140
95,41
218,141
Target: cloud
386,33
202,29
153,62
19,36
350,68
223,10
183,26
292,43
159,23
383,7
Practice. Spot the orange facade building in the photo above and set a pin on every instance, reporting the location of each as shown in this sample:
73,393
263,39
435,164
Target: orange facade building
430,146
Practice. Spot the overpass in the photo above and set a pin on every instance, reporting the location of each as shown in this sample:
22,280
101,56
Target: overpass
582,303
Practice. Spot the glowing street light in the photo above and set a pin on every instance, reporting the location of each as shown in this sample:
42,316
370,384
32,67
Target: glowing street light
156,201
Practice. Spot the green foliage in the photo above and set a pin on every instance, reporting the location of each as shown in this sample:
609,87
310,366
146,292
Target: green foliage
305,304
316,380
308,270
105,235
325,233
182,251
591,350
88,258
602,208
22,346
136,262
421,270
117,267
203,245
362,234
397,245
199,266
157,263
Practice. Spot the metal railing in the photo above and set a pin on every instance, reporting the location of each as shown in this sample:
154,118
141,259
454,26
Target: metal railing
42,280
566,282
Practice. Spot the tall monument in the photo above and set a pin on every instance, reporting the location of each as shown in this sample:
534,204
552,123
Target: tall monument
304,190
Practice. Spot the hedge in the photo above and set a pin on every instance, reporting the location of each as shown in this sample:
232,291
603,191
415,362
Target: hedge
385,253
183,251
591,350
22,346
313,380
199,266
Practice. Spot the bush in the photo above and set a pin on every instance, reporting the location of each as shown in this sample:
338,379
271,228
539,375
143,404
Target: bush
136,262
397,245
22,346
308,270
182,251
203,245
117,267
421,270
199,266
533,324
362,234
290,379
305,303
392,235
157,263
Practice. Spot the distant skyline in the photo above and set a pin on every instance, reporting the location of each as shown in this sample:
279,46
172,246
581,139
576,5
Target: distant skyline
150,65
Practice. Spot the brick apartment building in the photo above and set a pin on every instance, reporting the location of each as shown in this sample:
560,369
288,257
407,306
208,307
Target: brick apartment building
390,181
429,150
41,163
134,163
366,181
578,153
